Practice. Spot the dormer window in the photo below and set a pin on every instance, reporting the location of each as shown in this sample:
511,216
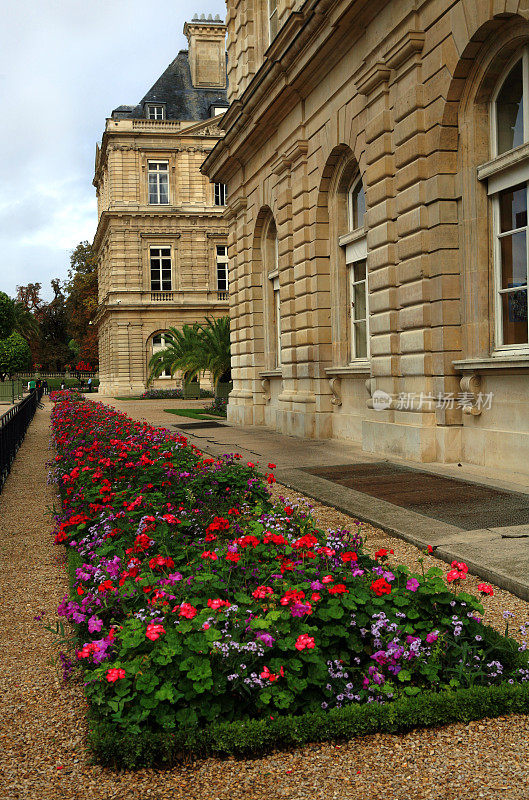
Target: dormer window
154,111
215,111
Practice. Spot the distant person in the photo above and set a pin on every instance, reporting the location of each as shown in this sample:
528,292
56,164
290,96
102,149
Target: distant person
63,387
39,383
89,385
45,386
32,384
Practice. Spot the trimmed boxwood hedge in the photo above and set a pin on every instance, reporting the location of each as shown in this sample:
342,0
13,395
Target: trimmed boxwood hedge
112,748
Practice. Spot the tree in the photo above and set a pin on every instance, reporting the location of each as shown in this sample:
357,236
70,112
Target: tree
198,348
7,315
54,352
25,322
81,301
15,355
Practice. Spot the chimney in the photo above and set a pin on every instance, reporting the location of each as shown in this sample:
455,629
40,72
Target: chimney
207,51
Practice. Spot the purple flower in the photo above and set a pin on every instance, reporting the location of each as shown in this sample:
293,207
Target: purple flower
266,639
412,584
432,637
316,586
94,625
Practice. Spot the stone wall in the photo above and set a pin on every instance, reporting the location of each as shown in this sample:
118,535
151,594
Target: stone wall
397,93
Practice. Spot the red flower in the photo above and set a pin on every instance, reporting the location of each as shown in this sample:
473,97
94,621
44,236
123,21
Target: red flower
186,610
154,631
304,641
114,675
209,554
485,588
430,548
338,588
234,557
349,556
261,592
271,466
381,586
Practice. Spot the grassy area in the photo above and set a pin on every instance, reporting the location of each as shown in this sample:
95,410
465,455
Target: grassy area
194,413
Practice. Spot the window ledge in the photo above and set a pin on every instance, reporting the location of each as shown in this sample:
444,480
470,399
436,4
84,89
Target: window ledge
353,236
360,368
272,373
504,162
507,362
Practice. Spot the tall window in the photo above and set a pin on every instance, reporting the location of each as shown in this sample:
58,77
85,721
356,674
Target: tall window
158,183
356,261
272,20
222,268
220,194
155,112
509,192
160,258
511,259
159,342
271,263
277,320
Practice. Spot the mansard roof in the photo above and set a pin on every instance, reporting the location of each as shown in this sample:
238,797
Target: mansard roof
174,88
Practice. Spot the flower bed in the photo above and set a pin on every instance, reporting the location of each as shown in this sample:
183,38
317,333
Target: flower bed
209,618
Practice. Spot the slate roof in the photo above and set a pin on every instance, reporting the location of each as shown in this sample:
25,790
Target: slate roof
175,88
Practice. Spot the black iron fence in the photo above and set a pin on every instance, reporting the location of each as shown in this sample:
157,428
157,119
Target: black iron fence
13,426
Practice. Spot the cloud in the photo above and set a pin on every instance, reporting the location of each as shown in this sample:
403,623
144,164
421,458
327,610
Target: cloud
64,65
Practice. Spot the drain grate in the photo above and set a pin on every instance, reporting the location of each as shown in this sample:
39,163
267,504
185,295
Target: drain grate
468,505
206,424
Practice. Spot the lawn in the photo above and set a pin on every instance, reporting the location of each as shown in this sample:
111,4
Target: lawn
194,413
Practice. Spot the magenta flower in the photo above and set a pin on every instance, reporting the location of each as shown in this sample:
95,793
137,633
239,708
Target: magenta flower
412,584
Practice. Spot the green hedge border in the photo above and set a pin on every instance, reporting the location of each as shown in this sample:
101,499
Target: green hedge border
115,748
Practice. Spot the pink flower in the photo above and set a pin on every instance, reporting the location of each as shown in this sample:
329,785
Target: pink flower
304,641
114,675
412,584
432,637
154,631
485,588
216,604
327,579
455,575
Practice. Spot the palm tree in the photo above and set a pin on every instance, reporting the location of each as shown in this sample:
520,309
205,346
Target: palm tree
195,349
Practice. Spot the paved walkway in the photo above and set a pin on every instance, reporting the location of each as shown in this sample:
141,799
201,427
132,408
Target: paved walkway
495,552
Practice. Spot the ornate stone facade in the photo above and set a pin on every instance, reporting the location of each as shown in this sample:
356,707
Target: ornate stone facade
375,153
161,239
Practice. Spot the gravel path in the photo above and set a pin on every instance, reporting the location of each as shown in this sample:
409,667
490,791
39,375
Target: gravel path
42,727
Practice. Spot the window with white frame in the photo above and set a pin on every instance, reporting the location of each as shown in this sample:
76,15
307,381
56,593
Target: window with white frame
220,192
277,320
222,268
161,269
158,172
155,112
356,264
272,20
508,189
160,342
511,259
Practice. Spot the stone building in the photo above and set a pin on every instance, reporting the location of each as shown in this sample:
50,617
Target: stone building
377,162
161,242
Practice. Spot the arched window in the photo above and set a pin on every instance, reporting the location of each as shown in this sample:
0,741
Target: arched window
159,342
508,187
356,263
510,112
270,255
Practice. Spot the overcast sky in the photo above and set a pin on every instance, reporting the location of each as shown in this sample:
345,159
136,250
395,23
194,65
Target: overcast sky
64,65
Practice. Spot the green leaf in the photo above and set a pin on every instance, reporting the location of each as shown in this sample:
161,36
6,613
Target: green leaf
404,675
